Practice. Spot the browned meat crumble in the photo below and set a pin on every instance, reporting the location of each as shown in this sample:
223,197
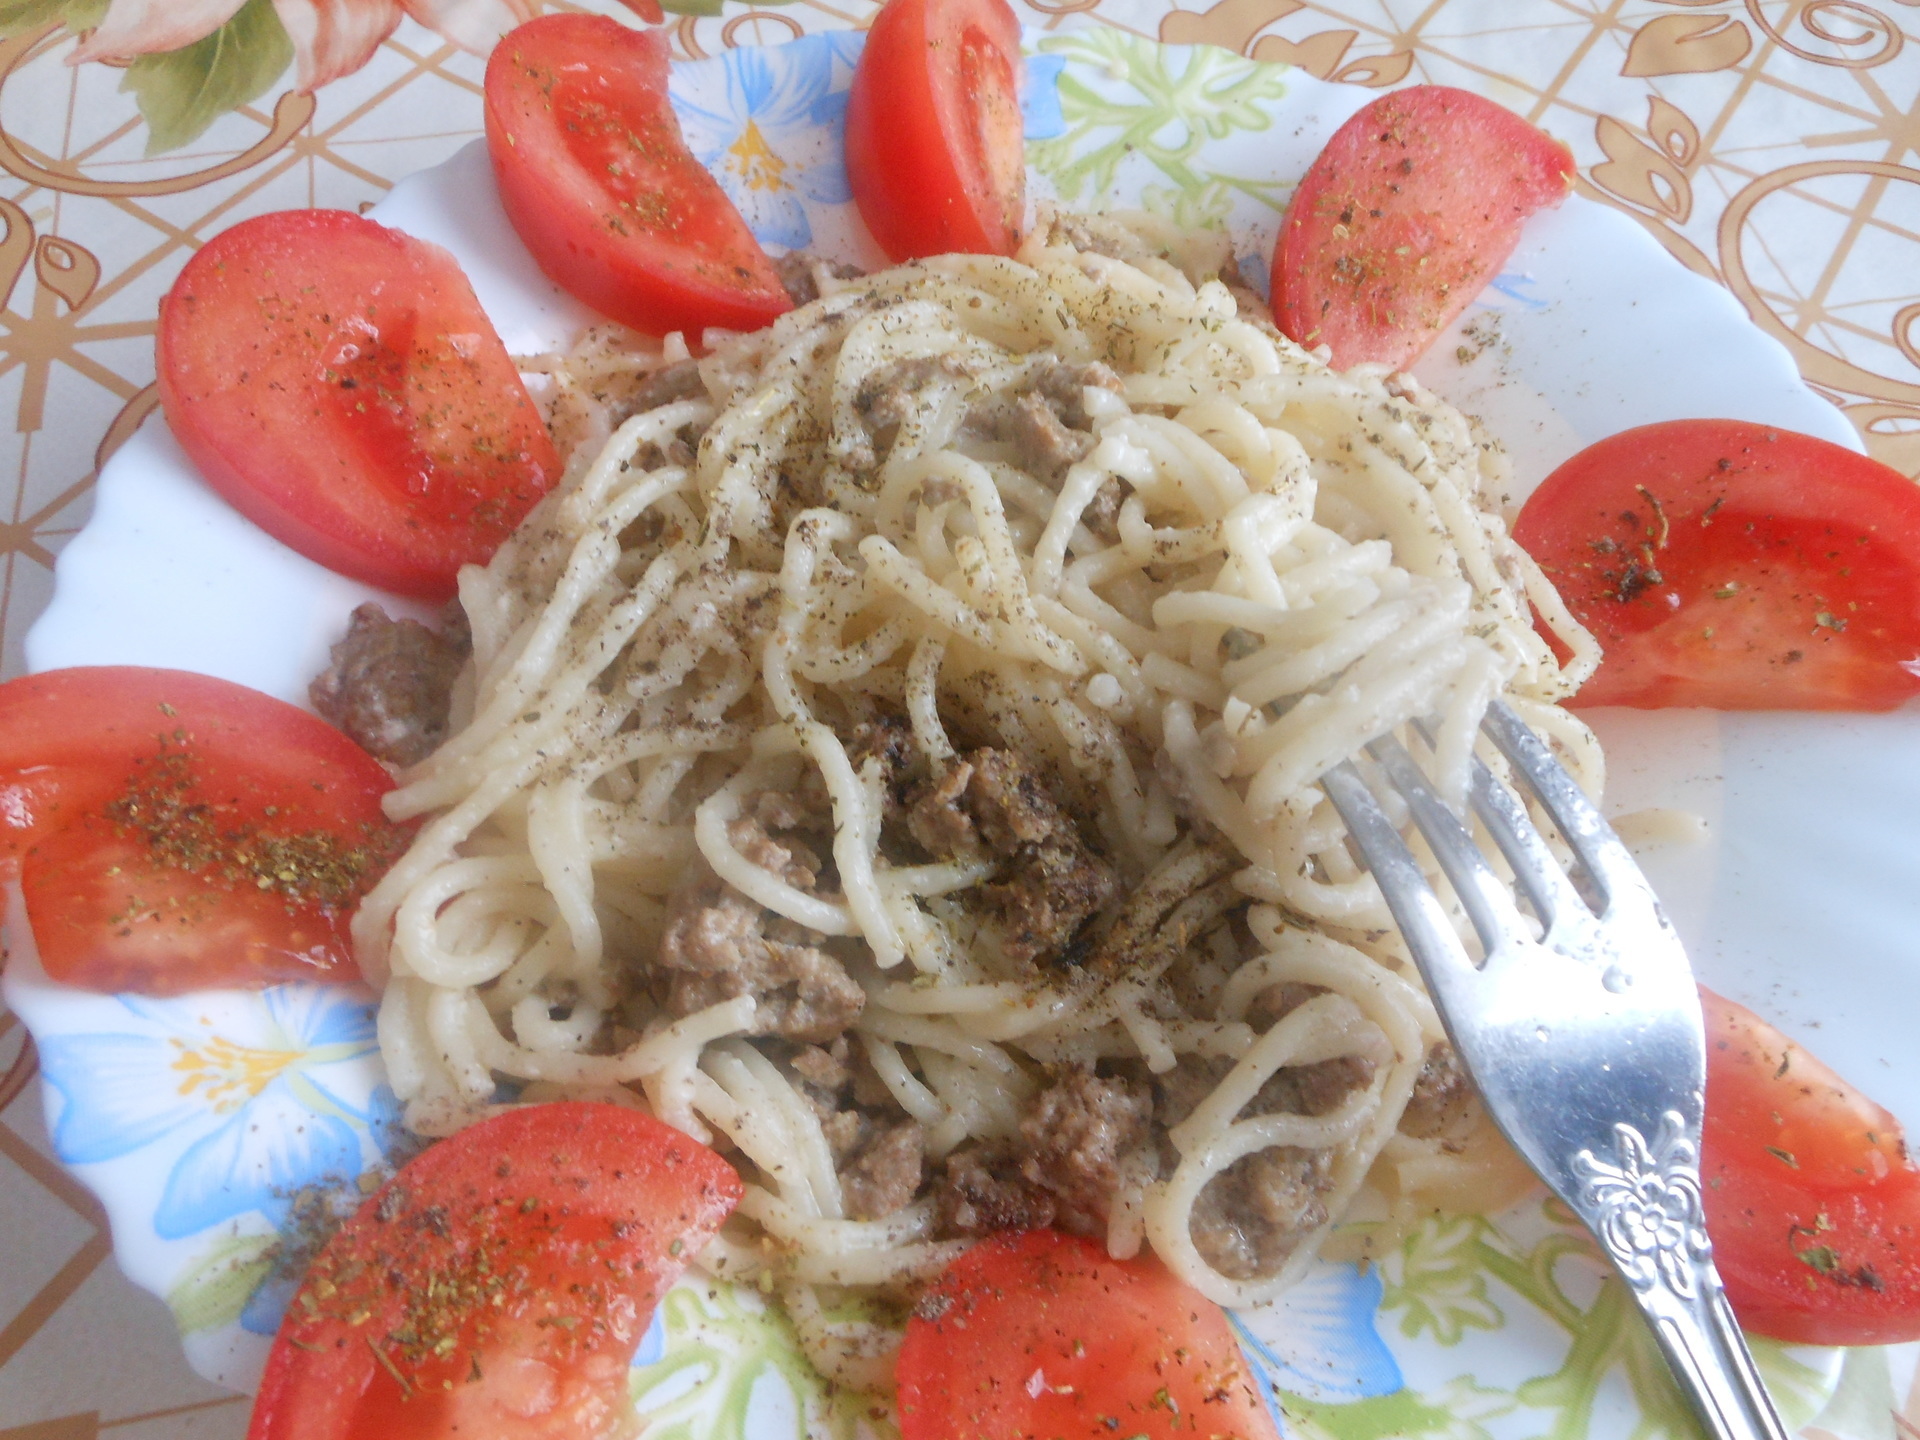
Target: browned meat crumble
1051,883
390,683
799,274
719,944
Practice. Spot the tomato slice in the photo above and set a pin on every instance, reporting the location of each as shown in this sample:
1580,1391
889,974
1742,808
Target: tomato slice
175,832
340,385
1044,1336
498,1285
600,185
1727,564
935,153
1812,1201
1410,209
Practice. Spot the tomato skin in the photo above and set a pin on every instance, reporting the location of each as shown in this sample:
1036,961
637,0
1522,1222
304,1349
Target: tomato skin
1776,572
1812,1201
602,189
935,152
1407,212
144,809
340,385
498,1285
1042,1334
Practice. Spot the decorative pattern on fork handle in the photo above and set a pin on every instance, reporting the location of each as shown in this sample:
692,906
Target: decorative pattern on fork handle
1646,1207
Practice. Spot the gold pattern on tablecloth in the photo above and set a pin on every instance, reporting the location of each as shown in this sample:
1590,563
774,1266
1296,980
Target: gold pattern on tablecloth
1767,144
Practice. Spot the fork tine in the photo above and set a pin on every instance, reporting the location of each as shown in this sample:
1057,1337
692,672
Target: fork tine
1416,909
1582,826
1482,892
1535,868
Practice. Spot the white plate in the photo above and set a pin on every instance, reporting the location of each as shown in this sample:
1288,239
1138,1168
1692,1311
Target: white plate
1804,904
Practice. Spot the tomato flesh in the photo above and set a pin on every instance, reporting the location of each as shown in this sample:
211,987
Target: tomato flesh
1727,564
175,832
340,385
935,152
1042,1335
602,189
1411,207
498,1285
1812,1201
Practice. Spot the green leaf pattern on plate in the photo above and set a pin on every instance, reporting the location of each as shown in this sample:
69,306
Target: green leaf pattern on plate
182,92
733,1370
1457,1275
215,1289
1125,97
19,16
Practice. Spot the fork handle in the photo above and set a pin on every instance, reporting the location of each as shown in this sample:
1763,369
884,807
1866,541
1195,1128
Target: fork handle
1709,1356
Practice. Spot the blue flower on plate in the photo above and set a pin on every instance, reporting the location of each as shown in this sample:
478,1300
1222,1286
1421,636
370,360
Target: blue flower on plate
247,1087
776,140
1318,1339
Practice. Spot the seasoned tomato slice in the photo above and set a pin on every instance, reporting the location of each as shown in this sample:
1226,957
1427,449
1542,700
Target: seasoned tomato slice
497,1286
934,148
1044,1336
1410,209
175,832
340,385
1812,1201
602,189
1727,564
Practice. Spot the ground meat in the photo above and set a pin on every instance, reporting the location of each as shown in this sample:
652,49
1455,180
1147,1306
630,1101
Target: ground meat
1066,386
886,397
1102,515
1276,1002
1442,1095
1044,444
887,739
1048,426
389,685
1250,1217
935,817
884,1171
1051,883
981,1191
1178,1092
825,1068
1075,1134
1316,1089
679,381
798,272
1049,890
719,944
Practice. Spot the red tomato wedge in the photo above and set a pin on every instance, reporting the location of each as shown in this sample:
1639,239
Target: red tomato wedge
1411,208
1812,1201
935,152
1725,564
1044,1336
600,185
175,832
340,385
497,1286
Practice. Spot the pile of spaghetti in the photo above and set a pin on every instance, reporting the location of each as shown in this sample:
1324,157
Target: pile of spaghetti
892,756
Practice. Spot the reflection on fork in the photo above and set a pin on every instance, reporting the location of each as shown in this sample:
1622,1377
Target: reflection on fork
1580,1024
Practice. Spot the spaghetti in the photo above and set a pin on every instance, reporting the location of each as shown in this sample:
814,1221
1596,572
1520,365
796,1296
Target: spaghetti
892,755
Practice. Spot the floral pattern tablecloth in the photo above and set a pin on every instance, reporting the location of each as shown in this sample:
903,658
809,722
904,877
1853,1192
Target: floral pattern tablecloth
1771,145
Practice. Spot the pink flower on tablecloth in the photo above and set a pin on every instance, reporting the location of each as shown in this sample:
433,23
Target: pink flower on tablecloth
330,38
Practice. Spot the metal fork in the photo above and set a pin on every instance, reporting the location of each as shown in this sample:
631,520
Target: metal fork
1586,1043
